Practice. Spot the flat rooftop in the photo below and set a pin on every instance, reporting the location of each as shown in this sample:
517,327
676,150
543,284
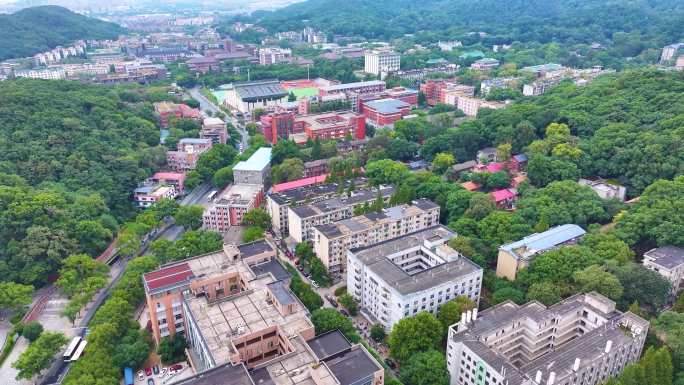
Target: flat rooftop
257,162
332,204
540,242
329,344
271,266
257,90
227,374
345,86
376,259
328,120
667,256
387,106
298,194
237,194
299,183
352,367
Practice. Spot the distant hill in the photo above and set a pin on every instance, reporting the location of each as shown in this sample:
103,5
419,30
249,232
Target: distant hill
37,29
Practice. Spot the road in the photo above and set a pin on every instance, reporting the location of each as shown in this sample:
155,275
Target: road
208,105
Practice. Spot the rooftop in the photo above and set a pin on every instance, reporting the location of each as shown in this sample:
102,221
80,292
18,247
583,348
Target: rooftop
353,367
387,106
540,242
446,269
212,121
256,90
195,141
169,175
328,205
329,344
299,183
503,194
227,374
327,120
237,194
257,162
298,194
666,256
345,86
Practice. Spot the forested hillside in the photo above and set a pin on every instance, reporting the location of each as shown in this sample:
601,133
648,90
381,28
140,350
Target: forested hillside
37,29
70,154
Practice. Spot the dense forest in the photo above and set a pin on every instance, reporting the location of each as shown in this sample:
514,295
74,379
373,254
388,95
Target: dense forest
70,154
37,29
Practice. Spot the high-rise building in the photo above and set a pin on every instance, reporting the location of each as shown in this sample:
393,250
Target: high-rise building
381,62
582,340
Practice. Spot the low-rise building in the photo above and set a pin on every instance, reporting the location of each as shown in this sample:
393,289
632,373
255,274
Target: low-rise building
485,64
302,219
308,191
371,86
214,129
316,167
406,95
188,152
255,170
604,189
333,125
331,241
487,85
514,256
385,112
147,195
274,55
582,340
449,46
244,97
203,64
417,272
50,73
167,110
471,105
667,261
230,206
175,179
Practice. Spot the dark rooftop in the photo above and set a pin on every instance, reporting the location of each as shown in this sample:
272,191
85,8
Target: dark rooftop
282,293
329,344
257,247
353,367
272,266
224,375
667,256
252,91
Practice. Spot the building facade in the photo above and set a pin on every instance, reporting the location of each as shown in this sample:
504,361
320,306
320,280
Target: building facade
667,261
256,170
214,129
417,272
332,241
189,151
146,196
381,62
244,97
582,340
604,189
385,112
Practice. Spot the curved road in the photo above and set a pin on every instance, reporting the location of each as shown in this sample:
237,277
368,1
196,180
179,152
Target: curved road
208,105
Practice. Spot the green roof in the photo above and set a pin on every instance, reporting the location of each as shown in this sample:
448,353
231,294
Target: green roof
471,54
304,92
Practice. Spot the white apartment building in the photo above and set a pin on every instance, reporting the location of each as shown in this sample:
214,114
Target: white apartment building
302,219
331,241
582,340
274,55
667,261
381,62
55,73
404,276
604,189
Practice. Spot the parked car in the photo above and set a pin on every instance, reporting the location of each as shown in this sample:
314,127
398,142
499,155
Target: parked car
333,302
141,375
344,312
155,369
314,284
163,372
175,368
148,372
150,381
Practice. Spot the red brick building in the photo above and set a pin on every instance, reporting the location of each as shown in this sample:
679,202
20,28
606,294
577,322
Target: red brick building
384,112
406,95
167,110
203,64
280,125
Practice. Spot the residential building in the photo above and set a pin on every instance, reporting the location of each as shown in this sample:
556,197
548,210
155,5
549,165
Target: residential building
203,64
459,168
50,73
167,110
274,55
371,86
186,156
255,170
175,179
485,64
516,255
381,62
310,191
605,189
331,241
147,195
670,52
214,129
448,46
316,167
487,85
302,219
244,97
505,198
471,105
417,272
385,112
517,162
582,340
667,261
679,65
230,206
418,74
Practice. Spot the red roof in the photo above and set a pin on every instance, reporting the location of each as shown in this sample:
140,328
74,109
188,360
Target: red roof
502,195
167,276
169,175
299,183
470,186
189,112
494,167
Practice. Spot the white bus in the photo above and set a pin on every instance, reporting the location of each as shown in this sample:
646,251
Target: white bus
79,351
211,195
71,348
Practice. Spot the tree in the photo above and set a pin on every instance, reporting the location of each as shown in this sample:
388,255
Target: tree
284,149
39,354
80,271
508,293
450,312
415,334
386,171
349,303
14,295
189,217
291,169
325,320
252,234
596,278
641,284
223,177
172,349
214,159
442,162
257,217
32,330
192,179
425,368
544,292
377,332
133,350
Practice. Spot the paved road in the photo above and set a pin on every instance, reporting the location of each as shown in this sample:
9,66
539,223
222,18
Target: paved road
208,105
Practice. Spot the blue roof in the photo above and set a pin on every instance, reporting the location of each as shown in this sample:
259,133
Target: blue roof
257,162
520,157
540,242
387,106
